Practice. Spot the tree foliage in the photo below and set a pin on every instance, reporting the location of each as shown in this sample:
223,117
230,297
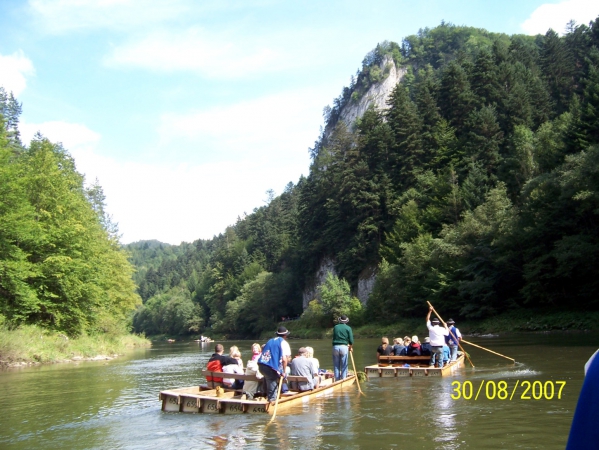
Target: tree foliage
61,265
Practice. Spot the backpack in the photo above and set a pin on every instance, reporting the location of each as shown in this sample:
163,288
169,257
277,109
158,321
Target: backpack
214,366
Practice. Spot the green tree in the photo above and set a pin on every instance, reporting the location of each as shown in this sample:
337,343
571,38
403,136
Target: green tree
336,298
80,272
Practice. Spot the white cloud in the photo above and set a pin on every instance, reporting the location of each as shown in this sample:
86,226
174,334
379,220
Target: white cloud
176,202
556,16
181,202
75,137
13,72
195,50
281,125
59,16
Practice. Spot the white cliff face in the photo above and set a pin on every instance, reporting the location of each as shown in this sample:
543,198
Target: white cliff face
377,94
366,284
311,292
327,265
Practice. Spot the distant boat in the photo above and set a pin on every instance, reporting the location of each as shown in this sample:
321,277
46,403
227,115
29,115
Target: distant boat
170,340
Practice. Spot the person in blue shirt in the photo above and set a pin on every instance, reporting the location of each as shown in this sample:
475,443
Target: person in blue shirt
398,348
584,433
273,361
425,348
453,339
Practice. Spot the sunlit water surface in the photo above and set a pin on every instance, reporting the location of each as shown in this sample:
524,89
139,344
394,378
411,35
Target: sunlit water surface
114,404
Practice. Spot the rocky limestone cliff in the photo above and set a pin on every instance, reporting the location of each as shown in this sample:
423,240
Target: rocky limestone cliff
310,292
376,95
366,284
364,289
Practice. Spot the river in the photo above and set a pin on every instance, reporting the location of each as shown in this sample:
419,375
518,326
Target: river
114,404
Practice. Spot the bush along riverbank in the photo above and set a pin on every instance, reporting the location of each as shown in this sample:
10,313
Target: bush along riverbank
532,320
30,345
522,320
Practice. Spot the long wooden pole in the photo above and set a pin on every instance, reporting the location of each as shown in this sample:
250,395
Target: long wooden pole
455,339
351,354
491,351
274,413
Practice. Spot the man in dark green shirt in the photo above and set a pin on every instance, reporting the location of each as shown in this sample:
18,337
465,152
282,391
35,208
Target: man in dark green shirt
343,339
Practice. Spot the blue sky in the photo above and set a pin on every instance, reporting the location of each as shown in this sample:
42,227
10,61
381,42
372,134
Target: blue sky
188,111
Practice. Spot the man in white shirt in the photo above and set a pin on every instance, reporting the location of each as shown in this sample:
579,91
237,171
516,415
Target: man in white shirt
437,335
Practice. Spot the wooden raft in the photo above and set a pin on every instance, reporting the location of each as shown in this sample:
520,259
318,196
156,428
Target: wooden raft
204,399
411,366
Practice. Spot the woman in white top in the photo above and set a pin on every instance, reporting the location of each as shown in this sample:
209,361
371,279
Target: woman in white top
234,368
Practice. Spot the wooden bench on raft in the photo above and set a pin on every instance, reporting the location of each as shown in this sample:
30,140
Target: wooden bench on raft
398,361
213,384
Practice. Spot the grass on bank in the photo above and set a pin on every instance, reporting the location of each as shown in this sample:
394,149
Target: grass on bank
32,344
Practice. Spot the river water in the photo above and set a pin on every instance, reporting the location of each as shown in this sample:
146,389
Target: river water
114,404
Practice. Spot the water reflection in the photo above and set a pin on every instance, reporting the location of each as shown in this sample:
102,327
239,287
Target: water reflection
444,417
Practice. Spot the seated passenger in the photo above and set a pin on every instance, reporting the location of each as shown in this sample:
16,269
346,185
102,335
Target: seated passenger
315,364
234,368
384,349
251,387
216,363
425,349
398,348
301,366
256,351
414,348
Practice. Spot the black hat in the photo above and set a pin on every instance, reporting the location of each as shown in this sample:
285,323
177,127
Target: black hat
343,319
282,331
450,322
434,320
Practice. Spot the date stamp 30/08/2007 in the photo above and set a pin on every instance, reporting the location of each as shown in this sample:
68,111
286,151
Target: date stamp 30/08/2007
502,390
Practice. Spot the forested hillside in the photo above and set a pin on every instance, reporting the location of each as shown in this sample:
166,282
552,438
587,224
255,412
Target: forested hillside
477,189
61,265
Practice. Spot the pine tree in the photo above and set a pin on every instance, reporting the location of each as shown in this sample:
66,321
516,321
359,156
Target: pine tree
485,80
406,125
557,66
484,138
456,99
426,91
588,127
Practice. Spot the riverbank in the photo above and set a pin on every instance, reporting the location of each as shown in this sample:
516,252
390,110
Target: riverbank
31,345
533,320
